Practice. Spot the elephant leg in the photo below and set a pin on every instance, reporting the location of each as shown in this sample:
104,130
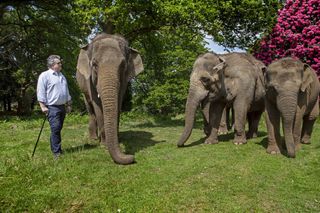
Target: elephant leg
240,110
216,111
205,108
92,119
253,120
97,108
223,129
230,123
308,123
273,127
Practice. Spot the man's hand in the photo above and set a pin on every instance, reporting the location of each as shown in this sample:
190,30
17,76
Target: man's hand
44,108
69,108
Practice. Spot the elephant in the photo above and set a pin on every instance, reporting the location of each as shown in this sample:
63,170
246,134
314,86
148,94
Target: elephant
233,80
292,90
226,123
105,66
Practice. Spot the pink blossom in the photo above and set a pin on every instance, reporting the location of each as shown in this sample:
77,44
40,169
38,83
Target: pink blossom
297,34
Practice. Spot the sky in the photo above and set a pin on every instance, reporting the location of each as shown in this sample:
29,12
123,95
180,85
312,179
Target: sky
219,49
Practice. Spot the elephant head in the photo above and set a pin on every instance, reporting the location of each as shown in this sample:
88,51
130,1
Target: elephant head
205,85
109,64
285,80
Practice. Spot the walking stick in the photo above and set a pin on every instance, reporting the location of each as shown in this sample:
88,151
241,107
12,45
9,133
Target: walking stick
44,120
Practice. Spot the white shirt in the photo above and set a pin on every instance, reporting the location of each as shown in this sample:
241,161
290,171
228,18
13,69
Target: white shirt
52,88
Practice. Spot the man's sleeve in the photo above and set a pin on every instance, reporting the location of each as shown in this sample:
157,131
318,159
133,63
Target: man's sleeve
41,89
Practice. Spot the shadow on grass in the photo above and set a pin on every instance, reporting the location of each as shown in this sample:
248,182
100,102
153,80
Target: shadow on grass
221,138
195,143
134,141
264,142
227,138
80,148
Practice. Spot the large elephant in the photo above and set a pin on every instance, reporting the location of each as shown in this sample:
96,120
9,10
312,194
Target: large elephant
105,66
292,90
218,81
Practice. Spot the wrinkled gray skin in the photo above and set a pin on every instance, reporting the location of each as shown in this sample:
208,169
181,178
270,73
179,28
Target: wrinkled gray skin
292,91
226,124
233,79
104,68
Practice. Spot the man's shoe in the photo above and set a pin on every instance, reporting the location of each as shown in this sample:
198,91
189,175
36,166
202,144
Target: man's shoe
57,155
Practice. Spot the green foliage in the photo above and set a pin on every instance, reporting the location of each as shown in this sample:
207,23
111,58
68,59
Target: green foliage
30,32
169,66
243,22
197,178
168,33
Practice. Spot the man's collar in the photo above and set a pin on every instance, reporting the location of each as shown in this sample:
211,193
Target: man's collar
53,72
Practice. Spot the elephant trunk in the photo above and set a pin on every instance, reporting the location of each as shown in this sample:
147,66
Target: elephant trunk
287,105
193,101
109,94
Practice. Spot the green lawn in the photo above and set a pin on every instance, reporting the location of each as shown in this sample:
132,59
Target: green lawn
197,178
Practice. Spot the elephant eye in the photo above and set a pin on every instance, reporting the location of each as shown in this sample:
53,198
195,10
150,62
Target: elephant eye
94,64
205,80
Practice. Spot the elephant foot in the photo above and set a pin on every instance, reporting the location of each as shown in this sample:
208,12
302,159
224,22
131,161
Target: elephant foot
222,130
305,140
273,149
211,141
180,145
239,141
93,135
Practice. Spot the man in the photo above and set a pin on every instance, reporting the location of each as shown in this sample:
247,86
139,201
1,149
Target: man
54,99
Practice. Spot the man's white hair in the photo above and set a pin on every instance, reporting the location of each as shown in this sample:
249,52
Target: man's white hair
52,60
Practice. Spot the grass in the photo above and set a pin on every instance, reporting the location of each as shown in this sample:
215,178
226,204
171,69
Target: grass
197,178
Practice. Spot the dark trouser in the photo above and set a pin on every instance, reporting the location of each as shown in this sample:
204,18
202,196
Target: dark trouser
56,117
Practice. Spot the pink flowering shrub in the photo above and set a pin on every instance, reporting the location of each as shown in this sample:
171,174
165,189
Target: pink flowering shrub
296,34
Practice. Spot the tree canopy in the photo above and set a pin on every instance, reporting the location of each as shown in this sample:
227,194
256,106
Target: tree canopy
168,33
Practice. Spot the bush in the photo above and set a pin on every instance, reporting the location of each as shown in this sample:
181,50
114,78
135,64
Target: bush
296,34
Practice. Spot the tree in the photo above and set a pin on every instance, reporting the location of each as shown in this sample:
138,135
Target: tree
168,33
297,34
163,87
30,31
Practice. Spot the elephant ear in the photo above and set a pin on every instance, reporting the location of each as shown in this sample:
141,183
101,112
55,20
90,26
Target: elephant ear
83,65
135,64
213,75
307,77
219,67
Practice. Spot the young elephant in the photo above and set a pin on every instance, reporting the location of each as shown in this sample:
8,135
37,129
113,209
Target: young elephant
292,91
219,81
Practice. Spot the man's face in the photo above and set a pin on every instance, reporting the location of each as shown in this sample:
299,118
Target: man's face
57,65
